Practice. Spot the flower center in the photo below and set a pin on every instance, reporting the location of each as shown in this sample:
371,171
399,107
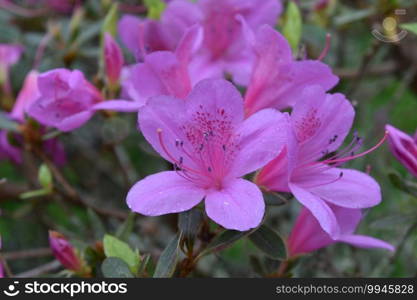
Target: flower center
207,151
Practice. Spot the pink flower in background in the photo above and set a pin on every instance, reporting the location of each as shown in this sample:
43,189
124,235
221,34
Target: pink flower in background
162,73
65,101
9,55
224,48
27,95
63,251
308,167
113,58
404,148
142,37
308,236
277,78
211,147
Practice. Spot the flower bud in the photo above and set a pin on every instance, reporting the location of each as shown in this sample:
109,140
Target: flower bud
64,252
113,59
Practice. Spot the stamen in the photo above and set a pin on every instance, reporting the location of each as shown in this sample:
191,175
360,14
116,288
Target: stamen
344,159
326,47
328,182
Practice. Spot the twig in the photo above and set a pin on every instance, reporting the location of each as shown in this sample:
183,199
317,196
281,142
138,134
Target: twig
26,254
46,268
71,194
21,11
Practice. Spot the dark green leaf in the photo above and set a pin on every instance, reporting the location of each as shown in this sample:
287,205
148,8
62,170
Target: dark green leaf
410,27
96,224
113,267
224,240
168,259
269,242
7,124
189,222
126,227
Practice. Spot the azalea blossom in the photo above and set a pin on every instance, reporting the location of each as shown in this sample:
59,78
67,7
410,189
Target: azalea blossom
65,99
308,236
276,77
309,166
211,147
224,48
27,95
144,36
162,73
404,148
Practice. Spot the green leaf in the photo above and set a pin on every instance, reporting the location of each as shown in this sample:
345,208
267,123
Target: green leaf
168,260
155,8
45,177
113,267
293,25
96,224
224,240
410,27
110,21
269,242
126,227
189,222
113,247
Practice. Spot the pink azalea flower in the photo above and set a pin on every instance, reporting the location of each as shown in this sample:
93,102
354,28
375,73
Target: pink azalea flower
319,124
64,252
27,95
142,37
308,236
113,58
211,147
276,77
66,99
162,73
404,148
224,48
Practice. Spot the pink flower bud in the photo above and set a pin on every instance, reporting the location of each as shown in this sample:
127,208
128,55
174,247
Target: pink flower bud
404,148
113,58
64,252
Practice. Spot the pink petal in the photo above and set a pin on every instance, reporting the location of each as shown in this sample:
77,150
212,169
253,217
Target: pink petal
307,235
262,138
118,105
404,148
27,95
214,94
321,122
165,115
321,211
163,193
363,241
275,64
74,121
238,206
344,187
189,43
